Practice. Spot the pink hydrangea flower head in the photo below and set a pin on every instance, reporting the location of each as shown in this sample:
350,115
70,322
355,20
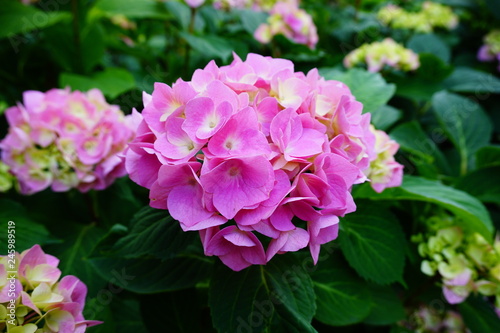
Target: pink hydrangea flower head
42,295
287,19
62,140
254,149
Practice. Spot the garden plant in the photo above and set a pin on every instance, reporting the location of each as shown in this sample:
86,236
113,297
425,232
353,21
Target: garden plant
237,166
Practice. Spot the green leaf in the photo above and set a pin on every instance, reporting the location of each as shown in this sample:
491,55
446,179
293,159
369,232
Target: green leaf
147,275
423,151
153,232
387,307
385,116
464,122
118,313
368,88
92,47
473,215
180,11
484,184
258,298
374,244
209,46
479,316
251,19
488,156
17,18
27,232
426,81
74,251
112,81
341,296
132,8
116,204
71,56
494,7
430,43
464,79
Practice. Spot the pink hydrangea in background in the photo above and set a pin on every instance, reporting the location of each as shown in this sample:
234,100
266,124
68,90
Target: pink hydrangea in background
195,3
257,5
256,148
384,171
490,51
63,140
287,19
39,293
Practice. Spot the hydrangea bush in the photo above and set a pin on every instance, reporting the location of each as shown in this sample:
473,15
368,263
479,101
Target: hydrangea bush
245,148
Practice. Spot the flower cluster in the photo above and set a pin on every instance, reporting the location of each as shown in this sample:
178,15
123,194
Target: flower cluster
377,55
465,261
6,179
287,19
426,319
35,300
65,140
432,16
255,147
384,171
491,48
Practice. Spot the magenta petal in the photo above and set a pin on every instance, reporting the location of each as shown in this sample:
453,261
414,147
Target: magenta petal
72,289
212,221
297,239
237,183
235,261
452,297
276,245
185,204
281,219
26,301
31,257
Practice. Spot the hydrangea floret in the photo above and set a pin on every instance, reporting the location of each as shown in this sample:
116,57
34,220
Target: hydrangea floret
62,140
287,19
35,299
490,51
429,319
6,179
466,262
255,148
431,16
376,56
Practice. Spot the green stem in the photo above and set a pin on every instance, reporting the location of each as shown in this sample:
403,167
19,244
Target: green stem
463,164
